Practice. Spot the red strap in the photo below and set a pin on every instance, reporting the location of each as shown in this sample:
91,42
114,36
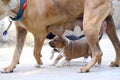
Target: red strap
24,5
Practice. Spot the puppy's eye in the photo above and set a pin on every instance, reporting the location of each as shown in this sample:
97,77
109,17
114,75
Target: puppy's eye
55,40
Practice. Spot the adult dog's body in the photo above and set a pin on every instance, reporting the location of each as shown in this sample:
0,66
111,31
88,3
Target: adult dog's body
41,16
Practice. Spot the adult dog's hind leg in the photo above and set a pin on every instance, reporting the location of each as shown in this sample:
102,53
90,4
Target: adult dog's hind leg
111,32
21,35
92,37
93,18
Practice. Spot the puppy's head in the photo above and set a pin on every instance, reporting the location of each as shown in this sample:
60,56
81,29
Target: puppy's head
58,42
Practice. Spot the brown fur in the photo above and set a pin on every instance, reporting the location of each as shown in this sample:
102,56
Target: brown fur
40,14
71,49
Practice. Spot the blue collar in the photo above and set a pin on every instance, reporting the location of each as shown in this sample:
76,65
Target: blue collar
23,4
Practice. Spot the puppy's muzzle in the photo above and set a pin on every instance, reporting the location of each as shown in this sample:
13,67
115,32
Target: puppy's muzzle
52,44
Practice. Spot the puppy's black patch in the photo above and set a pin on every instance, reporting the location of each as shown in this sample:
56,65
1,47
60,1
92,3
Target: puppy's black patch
50,36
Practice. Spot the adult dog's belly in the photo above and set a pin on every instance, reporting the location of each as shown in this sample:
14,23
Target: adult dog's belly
61,11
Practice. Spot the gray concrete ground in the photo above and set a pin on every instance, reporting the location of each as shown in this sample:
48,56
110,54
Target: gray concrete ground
26,70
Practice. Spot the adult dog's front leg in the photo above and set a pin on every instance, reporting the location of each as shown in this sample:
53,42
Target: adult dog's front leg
21,35
111,32
38,43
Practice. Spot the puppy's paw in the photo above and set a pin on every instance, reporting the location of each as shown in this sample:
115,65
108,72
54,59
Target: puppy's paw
62,63
52,64
59,65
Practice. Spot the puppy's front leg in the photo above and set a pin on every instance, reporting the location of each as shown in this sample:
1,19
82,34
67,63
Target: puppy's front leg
21,35
52,53
56,60
63,62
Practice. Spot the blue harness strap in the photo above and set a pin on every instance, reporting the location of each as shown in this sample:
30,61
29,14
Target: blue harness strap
23,4
21,10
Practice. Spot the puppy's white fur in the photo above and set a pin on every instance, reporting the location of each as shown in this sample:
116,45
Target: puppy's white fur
63,62
61,51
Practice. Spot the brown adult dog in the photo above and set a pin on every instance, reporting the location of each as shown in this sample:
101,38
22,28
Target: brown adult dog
70,49
41,16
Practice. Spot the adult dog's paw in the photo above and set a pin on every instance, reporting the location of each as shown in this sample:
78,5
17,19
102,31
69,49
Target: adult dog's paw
83,70
114,64
7,70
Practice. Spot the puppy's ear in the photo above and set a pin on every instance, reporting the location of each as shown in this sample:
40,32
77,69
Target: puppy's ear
64,40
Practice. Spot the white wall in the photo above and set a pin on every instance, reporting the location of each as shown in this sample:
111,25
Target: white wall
116,14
